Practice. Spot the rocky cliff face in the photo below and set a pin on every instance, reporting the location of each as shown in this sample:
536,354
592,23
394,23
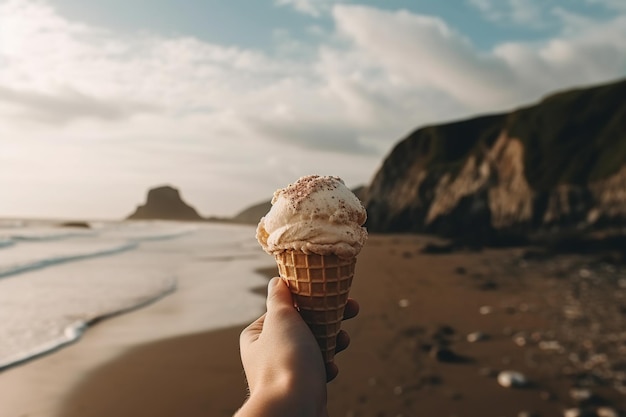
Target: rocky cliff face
560,164
165,203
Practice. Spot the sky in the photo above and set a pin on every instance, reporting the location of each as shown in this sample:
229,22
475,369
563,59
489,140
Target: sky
229,100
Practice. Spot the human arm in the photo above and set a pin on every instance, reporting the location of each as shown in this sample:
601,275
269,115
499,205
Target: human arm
282,360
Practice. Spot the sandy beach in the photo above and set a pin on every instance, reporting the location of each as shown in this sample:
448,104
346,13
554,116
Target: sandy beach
409,355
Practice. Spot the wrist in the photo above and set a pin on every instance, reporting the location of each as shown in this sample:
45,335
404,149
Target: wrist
285,397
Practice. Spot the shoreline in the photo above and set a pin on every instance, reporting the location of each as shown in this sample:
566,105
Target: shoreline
38,387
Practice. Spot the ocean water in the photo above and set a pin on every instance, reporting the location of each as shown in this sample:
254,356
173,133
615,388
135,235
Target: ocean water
55,281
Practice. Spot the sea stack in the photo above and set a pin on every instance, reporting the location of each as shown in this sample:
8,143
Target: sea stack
165,203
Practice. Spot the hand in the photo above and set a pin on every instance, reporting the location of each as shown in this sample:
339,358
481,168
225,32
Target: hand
283,362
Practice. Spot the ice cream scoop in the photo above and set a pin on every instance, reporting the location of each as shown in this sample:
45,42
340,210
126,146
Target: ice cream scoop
315,231
316,214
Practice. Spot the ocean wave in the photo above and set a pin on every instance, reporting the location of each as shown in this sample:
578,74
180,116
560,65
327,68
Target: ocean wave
5,243
33,264
47,235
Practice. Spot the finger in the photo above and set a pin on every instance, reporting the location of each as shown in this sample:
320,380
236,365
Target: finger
278,295
251,333
351,310
331,371
343,341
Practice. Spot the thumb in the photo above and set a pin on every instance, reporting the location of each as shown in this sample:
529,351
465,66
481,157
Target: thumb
278,295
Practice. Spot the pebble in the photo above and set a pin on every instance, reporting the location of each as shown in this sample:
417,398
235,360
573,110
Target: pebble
484,310
512,379
580,394
442,354
606,412
584,273
578,412
520,339
404,303
536,336
527,414
476,337
572,312
572,412
551,345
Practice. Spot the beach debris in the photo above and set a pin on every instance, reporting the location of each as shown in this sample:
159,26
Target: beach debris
442,335
572,412
580,394
404,303
579,412
488,285
551,345
520,339
606,412
512,379
526,413
444,354
445,330
477,337
536,336
572,312
485,310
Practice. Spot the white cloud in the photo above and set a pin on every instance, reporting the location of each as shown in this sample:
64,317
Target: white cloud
618,5
527,13
314,8
428,55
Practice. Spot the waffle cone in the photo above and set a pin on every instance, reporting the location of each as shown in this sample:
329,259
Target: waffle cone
320,285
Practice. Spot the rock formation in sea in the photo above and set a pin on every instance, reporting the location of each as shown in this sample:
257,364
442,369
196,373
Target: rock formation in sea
556,165
165,203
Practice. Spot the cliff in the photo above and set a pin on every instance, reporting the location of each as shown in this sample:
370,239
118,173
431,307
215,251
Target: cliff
165,203
556,165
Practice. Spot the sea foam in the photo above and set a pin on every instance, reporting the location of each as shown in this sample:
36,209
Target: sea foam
55,281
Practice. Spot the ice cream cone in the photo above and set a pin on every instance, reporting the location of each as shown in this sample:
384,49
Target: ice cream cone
320,285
